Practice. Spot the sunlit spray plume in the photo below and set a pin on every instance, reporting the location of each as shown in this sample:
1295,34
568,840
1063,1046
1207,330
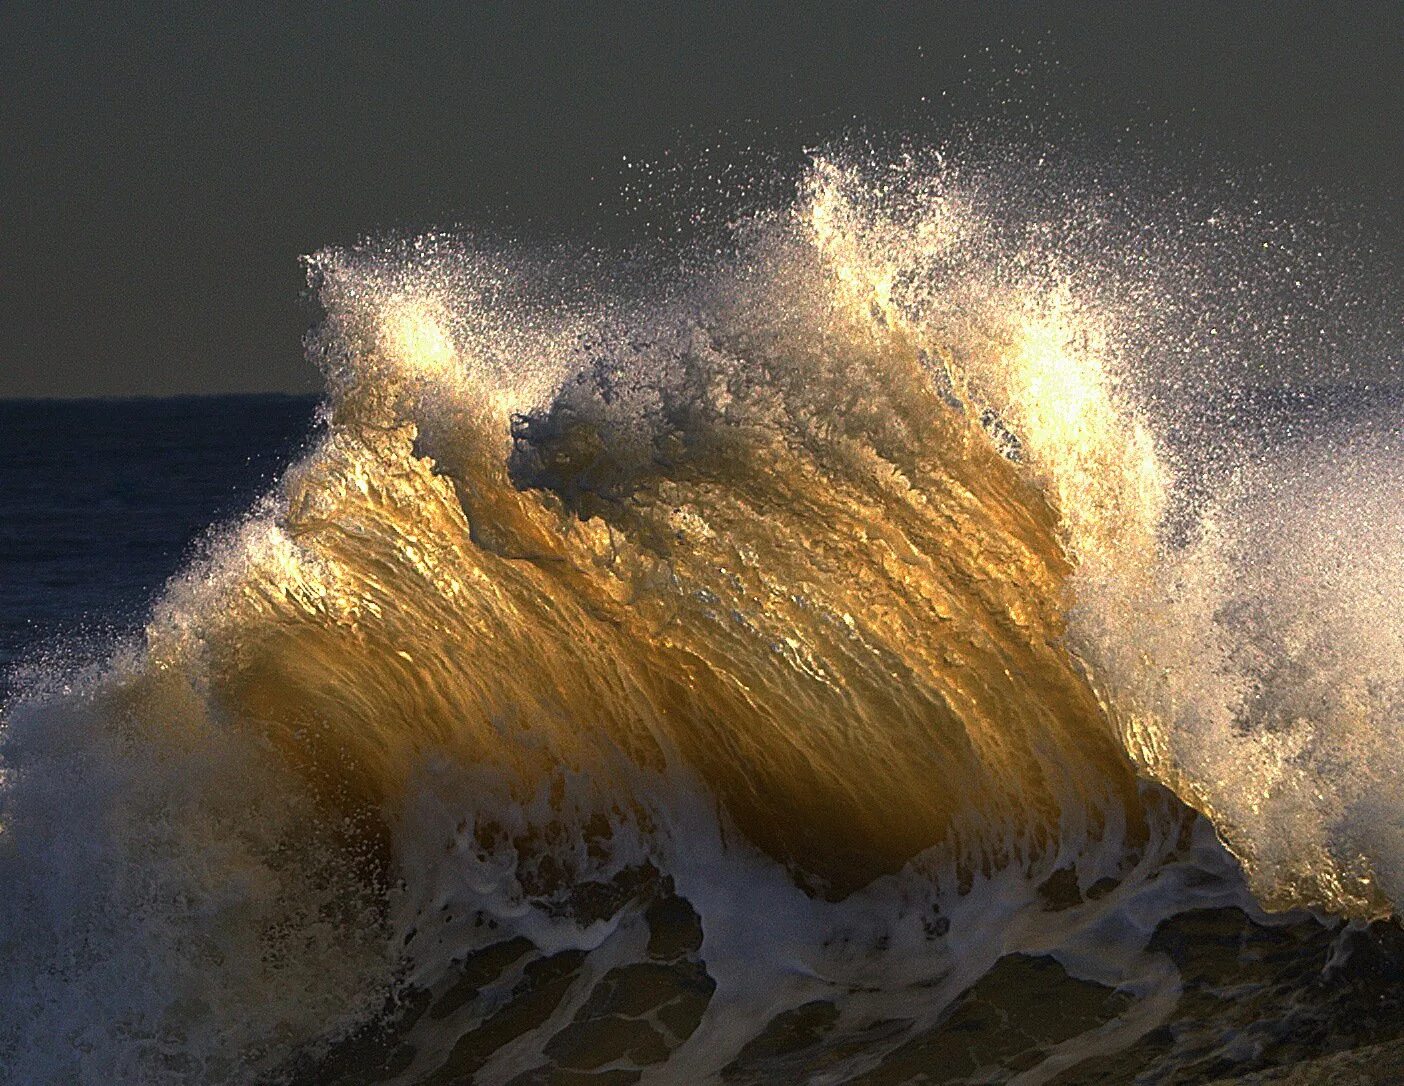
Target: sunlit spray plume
417,340
435,323
1014,344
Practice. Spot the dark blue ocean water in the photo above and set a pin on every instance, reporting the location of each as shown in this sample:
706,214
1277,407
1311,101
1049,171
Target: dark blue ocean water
100,500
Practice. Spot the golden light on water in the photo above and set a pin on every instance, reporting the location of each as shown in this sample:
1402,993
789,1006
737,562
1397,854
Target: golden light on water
1063,384
417,339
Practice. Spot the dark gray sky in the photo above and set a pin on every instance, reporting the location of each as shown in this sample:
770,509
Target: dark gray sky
164,166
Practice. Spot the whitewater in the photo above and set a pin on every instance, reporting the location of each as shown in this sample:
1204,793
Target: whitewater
745,666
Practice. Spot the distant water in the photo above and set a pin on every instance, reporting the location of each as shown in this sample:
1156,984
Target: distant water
883,648
101,499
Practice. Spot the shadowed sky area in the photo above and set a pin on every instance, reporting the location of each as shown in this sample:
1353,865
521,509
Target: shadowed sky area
165,166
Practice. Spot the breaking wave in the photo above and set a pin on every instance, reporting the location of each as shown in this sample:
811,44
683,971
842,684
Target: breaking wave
779,630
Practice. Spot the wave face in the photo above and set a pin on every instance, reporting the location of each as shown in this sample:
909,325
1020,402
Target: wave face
637,674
